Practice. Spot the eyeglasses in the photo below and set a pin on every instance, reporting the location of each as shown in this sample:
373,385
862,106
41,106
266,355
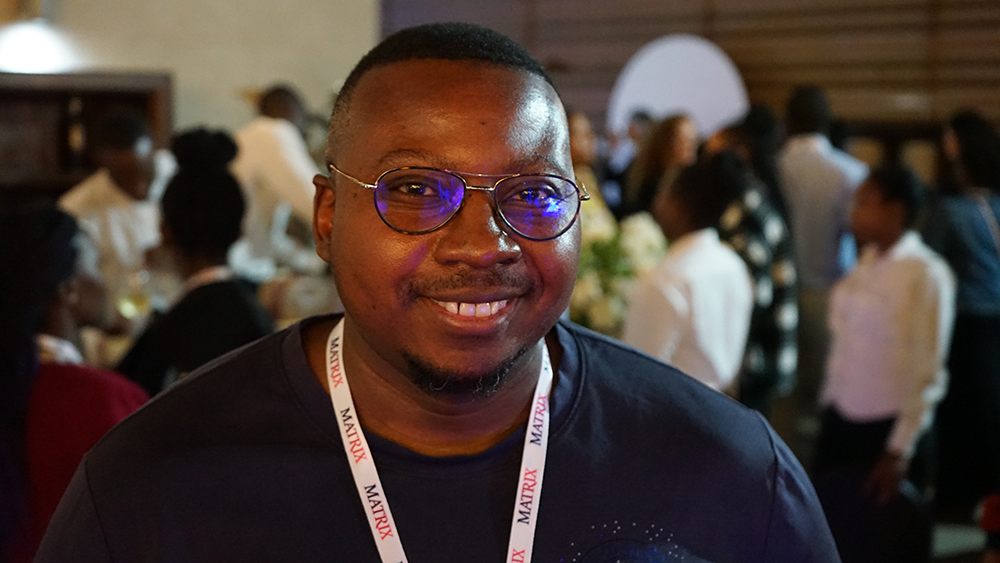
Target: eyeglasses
416,200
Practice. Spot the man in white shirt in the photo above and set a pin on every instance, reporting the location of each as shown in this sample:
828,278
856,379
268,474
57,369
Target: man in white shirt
891,320
117,209
274,167
693,310
117,205
817,181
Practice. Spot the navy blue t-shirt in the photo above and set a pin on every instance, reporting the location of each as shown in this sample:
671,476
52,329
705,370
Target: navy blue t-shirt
243,462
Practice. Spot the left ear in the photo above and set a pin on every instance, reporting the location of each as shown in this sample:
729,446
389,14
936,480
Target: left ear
324,205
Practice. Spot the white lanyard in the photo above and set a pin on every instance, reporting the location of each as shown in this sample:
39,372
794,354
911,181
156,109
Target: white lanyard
529,485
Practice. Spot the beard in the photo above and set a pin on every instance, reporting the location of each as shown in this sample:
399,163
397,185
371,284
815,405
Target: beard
440,382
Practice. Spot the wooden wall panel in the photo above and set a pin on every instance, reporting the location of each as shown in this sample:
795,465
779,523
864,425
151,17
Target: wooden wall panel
906,61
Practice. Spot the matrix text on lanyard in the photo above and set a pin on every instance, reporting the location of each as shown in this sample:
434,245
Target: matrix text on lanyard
366,478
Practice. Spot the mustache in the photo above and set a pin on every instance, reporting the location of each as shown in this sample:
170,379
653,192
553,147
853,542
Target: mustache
496,278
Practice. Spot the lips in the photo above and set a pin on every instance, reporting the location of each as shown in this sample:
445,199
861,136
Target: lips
484,309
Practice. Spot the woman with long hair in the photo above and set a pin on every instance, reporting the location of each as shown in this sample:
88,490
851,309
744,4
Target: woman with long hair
52,408
670,146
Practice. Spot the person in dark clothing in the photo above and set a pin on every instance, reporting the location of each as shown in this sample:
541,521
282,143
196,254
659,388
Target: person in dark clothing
53,407
421,424
762,134
755,228
202,210
964,227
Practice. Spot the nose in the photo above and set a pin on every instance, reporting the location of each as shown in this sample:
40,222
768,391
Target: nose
476,235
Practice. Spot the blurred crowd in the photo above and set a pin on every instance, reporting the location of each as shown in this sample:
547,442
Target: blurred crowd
159,262
855,305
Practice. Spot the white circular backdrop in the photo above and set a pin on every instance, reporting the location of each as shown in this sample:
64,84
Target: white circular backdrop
679,74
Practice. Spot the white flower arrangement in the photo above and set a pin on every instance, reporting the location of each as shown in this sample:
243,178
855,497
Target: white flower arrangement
611,258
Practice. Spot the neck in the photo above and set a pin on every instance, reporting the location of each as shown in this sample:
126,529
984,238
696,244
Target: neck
190,265
885,243
679,230
391,406
59,322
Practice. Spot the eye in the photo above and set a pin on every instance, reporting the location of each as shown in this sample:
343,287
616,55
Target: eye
415,188
414,185
536,191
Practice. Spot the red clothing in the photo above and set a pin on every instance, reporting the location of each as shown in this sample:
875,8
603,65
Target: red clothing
991,514
70,409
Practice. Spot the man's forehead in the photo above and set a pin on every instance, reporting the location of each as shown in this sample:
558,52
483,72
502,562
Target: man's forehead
419,99
435,79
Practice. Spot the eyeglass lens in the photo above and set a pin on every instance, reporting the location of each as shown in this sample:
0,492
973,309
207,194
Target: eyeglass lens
421,200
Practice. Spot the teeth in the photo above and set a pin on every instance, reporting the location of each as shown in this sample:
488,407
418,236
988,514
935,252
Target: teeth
472,309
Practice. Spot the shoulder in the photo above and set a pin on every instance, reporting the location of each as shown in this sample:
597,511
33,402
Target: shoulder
638,393
230,297
214,392
855,170
924,268
672,431
933,266
669,280
92,192
86,381
265,129
723,260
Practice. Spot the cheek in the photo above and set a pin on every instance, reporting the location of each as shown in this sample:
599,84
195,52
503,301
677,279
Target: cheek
374,260
558,263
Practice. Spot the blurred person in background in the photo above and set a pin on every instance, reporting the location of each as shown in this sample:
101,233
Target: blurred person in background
671,145
583,151
763,134
116,207
755,229
202,211
275,170
693,310
817,182
963,227
891,319
53,408
621,154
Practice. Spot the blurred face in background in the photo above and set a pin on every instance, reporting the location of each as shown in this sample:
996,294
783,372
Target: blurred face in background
875,220
132,168
583,143
685,143
950,145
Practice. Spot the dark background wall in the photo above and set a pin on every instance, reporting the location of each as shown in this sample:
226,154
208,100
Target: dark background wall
886,61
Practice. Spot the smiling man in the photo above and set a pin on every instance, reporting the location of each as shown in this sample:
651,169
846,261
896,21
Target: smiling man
448,415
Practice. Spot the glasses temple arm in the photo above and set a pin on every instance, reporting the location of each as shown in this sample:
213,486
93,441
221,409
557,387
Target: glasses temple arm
333,168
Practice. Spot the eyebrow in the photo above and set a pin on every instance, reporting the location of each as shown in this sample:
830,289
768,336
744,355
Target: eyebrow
404,157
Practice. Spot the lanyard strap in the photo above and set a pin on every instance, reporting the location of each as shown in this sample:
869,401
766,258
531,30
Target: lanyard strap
383,527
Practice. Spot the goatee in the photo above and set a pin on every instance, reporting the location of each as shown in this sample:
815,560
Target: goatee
440,382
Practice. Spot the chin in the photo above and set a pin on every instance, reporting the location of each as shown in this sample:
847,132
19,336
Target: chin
439,381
